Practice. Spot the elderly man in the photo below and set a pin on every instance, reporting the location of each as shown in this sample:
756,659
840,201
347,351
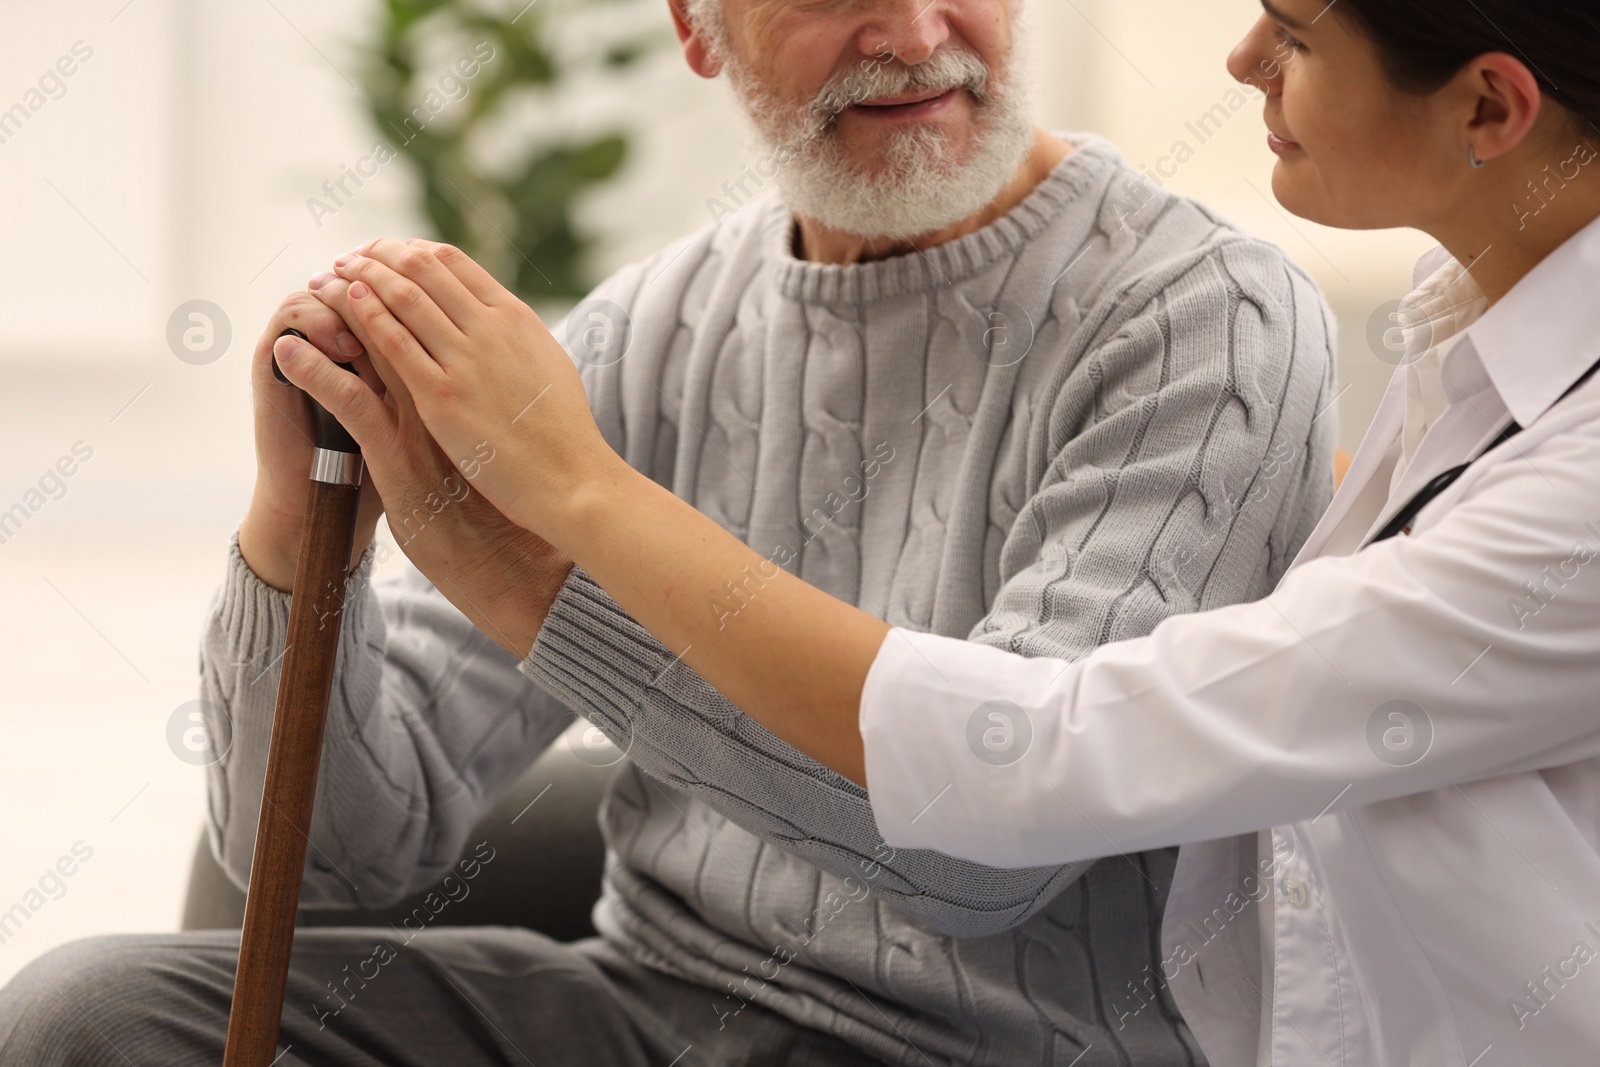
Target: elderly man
977,379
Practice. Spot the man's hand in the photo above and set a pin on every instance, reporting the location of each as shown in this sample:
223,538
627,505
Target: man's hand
499,575
269,536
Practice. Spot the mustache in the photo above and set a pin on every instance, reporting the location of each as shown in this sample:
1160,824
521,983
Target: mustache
945,70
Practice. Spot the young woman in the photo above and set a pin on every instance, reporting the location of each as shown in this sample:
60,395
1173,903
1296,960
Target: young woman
1386,774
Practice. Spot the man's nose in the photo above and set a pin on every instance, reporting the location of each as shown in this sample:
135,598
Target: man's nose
909,30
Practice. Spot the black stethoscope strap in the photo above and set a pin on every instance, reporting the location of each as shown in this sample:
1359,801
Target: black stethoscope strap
1403,518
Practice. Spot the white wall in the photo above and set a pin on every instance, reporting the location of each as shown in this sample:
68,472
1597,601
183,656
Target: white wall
181,156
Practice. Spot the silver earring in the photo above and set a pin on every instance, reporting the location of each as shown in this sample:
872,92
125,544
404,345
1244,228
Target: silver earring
1472,157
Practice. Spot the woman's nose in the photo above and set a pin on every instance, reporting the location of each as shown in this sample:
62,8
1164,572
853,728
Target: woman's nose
1247,60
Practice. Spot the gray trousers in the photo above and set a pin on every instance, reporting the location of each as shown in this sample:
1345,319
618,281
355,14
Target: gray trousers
448,997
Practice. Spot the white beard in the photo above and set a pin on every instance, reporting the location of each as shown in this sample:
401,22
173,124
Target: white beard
922,185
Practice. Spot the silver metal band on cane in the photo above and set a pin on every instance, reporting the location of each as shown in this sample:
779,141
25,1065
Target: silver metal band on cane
337,468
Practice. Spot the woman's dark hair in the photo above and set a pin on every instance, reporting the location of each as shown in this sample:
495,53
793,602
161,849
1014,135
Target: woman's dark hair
1424,43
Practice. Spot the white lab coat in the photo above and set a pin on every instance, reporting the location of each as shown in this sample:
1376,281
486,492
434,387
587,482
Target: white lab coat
1418,722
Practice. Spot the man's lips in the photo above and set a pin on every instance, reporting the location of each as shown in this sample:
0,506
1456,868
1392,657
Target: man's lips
907,98
906,103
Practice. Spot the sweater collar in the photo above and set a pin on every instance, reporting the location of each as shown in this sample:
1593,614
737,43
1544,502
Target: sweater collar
949,263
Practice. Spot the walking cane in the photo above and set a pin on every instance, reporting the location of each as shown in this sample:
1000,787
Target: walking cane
315,614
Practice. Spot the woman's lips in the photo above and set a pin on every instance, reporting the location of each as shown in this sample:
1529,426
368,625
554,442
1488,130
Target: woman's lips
1281,145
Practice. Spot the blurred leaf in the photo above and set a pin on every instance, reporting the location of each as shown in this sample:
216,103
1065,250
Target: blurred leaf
626,53
520,225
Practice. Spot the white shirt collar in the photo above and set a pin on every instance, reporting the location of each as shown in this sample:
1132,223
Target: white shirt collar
1542,335
1433,319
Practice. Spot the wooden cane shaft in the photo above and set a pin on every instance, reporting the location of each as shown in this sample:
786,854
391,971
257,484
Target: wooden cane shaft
293,758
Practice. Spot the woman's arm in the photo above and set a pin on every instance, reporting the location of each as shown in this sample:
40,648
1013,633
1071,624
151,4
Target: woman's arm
793,658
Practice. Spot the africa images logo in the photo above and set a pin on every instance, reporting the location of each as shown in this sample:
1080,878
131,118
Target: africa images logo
999,733
1400,733
598,333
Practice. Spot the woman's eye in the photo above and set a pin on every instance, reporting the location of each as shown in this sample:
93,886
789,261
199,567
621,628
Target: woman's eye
1289,40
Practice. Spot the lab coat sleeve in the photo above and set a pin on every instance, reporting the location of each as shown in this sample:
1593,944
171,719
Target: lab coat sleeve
1463,652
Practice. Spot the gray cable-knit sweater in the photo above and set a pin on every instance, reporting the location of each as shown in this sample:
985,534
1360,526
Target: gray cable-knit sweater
1107,407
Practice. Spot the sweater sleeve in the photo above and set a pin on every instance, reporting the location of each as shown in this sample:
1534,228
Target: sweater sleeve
428,721
1190,454
1187,457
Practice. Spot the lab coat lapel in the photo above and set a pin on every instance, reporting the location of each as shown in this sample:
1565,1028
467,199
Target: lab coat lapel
1370,463
1462,432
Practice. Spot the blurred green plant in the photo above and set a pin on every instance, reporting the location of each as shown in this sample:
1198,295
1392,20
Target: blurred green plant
444,84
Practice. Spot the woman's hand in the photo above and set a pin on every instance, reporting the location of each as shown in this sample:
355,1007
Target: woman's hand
500,575
480,367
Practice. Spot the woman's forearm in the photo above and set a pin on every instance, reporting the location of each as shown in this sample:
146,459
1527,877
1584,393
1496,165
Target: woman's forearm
790,656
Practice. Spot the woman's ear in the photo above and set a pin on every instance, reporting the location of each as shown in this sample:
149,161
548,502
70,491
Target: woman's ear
1508,104
698,50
